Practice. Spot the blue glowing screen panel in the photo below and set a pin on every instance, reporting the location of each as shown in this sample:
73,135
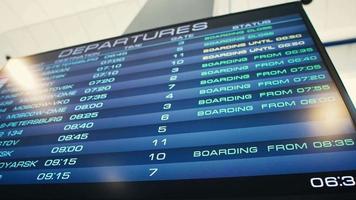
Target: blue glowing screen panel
210,99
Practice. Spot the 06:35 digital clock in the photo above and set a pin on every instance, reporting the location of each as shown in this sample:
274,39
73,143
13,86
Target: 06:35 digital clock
333,181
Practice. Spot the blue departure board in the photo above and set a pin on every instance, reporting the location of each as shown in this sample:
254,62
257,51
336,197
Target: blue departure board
210,99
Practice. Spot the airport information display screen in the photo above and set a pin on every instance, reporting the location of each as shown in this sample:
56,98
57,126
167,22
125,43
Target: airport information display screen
225,97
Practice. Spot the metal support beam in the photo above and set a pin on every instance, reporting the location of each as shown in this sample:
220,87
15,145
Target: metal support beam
156,13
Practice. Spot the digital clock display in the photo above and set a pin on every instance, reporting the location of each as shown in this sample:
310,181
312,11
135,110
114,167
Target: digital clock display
237,97
339,181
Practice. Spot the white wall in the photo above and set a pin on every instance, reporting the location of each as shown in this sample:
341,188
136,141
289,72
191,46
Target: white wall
344,59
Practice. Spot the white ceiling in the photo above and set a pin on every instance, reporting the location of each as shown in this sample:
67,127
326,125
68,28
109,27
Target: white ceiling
33,26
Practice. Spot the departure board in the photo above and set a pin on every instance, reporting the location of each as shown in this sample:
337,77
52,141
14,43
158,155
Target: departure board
224,97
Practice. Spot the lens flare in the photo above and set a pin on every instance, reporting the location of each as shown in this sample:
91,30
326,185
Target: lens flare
26,82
